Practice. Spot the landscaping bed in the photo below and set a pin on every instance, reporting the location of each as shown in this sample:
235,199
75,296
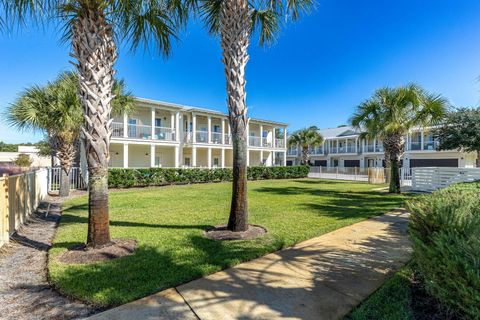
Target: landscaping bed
169,224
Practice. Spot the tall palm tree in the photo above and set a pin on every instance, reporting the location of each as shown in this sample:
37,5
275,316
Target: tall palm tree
391,113
55,109
236,21
92,27
305,138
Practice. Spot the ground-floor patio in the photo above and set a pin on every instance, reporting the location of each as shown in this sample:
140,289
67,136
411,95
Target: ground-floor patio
123,155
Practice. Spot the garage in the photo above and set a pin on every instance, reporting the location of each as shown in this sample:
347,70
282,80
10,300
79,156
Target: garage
351,163
320,163
452,162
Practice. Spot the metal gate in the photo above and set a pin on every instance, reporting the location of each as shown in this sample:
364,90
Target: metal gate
76,179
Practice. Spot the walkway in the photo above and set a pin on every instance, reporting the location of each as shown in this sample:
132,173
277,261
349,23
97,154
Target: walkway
24,290
321,278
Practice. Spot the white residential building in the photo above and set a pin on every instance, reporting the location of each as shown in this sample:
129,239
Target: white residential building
161,134
343,147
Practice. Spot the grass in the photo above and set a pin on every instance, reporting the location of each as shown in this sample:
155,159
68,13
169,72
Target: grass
168,224
392,301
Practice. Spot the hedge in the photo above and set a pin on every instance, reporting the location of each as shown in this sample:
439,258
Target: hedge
127,178
445,233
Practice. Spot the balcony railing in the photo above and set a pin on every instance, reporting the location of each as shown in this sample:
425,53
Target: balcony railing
228,139
379,148
162,133
292,152
415,145
351,149
187,137
254,141
431,145
279,143
266,143
334,150
201,136
137,131
117,129
369,148
216,137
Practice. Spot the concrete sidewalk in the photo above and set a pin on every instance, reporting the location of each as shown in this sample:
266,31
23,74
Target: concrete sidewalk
321,278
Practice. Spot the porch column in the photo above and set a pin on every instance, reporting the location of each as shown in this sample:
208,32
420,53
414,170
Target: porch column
223,158
248,158
177,156
274,138
284,159
172,125
273,158
194,157
194,128
177,126
125,155
189,119
374,144
230,133
209,129
261,156
209,157
261,136
285,142
421,139
125,125
223,133
152,155
153,122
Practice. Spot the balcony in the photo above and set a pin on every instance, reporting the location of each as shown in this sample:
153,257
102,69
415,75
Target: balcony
228,139
379,148
279,143
117,129
254,141
201,136
369,148
137,131
315,151
431,145
266,143
351,149
292,152
216,137
415,145
162,133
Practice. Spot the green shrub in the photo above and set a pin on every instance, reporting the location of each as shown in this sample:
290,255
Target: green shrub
445,233
127,178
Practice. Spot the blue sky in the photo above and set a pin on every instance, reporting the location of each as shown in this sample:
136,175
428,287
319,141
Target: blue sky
318,71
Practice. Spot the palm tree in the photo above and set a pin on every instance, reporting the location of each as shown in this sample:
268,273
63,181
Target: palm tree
391,113
92,26
305,138
236,21
55,109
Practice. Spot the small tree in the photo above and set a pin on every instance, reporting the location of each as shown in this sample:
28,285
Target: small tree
461,130
305,138
23,160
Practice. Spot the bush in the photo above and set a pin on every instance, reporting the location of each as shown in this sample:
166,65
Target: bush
445,233
127,178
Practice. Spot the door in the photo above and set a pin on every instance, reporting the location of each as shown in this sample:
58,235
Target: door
132,127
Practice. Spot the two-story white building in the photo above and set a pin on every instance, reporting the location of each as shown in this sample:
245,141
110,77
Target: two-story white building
343,147
161,134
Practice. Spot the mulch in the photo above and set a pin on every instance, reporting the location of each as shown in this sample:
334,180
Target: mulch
222,233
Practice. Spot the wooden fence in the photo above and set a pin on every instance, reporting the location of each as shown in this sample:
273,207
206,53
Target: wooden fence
434,178
20,195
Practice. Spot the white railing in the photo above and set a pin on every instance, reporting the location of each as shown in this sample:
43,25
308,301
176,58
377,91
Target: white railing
228,138
201,136
187,137
369,148
163,133
266,143
431,145
434,178
405,177
138,131
337,173
117,129
292,152
216,137
415,145
279,143
254,141
54,179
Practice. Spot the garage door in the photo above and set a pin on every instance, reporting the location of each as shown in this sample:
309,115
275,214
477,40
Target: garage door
320,163
351,163
414,163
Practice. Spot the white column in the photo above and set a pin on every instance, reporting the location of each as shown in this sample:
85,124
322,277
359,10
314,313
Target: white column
284,159
209,129
285,142
152,155
274,138
223,133
421,138
153,122
374,144
194,128
125,155
209,157
230,133
223,157
125,125
356,145
261,156
248,157
177,126
177,156
194,157
273,158
189,119
172,124
261,136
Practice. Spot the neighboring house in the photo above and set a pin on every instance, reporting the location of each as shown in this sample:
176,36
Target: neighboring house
161,134
343,147
7,158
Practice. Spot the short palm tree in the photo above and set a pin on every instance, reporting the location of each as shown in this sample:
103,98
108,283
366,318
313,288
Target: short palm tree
305,138
92,27
236,21
391,113
55,109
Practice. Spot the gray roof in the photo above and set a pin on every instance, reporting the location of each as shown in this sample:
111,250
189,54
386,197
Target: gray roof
339,132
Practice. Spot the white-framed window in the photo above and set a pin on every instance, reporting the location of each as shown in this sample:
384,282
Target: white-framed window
216,162
158,122
132,127
187,161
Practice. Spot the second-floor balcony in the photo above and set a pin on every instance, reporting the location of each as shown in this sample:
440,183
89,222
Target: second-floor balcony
279,143
136,131
292,152
254,141
216,137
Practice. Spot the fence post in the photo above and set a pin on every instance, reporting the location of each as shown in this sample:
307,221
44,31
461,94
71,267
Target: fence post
4,211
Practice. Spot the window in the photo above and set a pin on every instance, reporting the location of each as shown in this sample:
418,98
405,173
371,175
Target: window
158,122
216,162
216,128
132,127
187,161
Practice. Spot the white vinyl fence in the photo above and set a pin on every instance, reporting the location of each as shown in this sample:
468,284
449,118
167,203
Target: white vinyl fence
76,179
406,177
337,173
434,178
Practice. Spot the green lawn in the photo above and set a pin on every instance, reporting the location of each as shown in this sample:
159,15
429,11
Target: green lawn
391,302
168,223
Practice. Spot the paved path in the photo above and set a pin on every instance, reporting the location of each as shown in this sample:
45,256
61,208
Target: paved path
24,290
321,278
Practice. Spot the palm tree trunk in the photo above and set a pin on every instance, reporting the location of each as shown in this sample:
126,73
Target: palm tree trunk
394,145
478,159
66,153
95,51
235,28
64,190
305,156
